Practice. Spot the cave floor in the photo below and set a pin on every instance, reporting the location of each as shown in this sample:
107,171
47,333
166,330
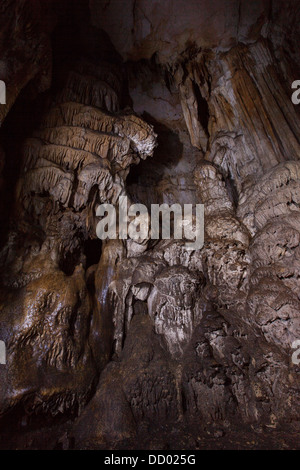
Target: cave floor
164,439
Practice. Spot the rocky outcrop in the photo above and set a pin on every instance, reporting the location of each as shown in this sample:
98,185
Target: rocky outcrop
78,159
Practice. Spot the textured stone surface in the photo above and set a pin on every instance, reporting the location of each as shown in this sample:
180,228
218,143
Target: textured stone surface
25,47
167,28
78,159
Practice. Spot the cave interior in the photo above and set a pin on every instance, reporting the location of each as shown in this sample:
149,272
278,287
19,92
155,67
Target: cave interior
123,343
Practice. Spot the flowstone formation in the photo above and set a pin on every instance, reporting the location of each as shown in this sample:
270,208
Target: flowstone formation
142,343
79,158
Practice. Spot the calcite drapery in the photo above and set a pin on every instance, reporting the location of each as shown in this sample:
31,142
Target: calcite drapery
78,159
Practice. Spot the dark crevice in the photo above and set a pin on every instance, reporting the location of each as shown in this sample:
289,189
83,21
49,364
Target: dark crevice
203,111
92,251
